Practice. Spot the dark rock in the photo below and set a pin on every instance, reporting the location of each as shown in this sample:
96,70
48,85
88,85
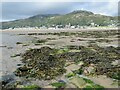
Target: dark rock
7,81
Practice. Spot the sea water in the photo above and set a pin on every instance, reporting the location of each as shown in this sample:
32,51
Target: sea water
9,40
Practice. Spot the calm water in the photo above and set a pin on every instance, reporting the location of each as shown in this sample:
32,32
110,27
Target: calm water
8,64
10,39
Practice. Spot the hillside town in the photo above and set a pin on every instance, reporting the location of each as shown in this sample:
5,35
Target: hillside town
69,26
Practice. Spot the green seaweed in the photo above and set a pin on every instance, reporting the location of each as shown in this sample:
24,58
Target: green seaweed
58,84
70,75
31,87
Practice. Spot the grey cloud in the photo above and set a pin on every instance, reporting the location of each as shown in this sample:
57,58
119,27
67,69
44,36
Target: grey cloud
12,10
18,10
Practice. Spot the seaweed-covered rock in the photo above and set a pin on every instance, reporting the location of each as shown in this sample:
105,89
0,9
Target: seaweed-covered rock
102,58
75,47
46,63
41,63
90,70
86,55
8,81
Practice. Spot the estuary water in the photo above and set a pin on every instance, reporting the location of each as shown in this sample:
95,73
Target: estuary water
8,48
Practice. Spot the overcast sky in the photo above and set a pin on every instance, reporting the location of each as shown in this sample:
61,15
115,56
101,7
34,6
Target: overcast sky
19,10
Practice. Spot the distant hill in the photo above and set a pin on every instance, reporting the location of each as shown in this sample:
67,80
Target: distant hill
79,17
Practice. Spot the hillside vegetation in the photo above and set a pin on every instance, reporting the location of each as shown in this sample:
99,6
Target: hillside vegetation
81,18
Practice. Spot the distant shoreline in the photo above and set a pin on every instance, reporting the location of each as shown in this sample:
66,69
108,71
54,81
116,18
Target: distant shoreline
55,30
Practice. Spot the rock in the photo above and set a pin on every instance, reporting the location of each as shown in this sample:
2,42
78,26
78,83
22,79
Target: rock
81,63
50,86
8,81
11,84
89,70
62,81
77,81
72,68
116,62
19,86
70,85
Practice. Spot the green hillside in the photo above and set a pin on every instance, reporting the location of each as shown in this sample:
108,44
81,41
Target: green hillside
81,18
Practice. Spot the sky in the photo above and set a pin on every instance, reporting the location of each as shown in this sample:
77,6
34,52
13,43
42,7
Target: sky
15,9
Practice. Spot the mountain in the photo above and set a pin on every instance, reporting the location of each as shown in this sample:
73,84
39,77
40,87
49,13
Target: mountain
78,17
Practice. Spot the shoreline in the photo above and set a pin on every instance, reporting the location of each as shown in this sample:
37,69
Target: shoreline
56,30
10,64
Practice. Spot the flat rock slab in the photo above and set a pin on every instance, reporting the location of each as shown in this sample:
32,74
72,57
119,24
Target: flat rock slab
77,81
71,68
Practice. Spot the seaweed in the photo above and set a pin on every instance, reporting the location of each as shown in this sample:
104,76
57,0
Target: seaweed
19,43
41,63
59,84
